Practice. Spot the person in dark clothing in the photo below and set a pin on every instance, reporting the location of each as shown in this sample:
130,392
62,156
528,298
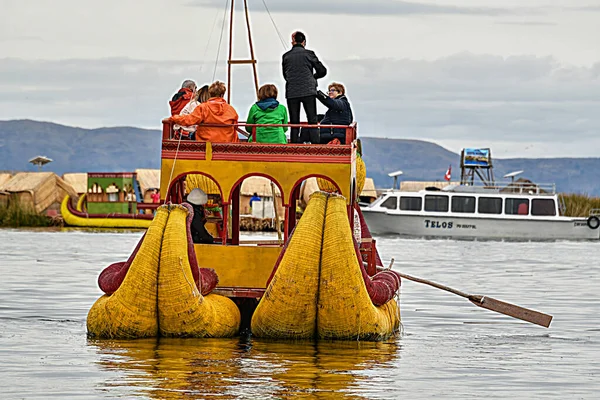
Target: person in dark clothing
182,97
197,198
301,69
338,112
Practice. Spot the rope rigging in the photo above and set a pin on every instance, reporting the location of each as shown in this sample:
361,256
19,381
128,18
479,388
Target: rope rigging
220,40
274,25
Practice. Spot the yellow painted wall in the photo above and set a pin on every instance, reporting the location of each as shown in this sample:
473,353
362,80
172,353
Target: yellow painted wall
239,266
228,172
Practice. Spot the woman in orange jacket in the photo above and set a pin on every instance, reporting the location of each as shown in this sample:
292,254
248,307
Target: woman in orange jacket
214,111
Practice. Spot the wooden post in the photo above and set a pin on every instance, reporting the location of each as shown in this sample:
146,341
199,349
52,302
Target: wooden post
235,216
278,226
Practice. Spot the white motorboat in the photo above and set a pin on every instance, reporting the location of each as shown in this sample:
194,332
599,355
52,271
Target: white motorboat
514,211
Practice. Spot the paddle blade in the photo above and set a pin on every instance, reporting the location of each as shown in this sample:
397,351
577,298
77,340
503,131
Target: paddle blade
535,317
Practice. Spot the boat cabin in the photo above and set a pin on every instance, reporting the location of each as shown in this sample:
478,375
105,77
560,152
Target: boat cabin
245,266
111,192
472,201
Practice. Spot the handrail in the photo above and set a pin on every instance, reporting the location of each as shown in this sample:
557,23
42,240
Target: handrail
350,129
517,187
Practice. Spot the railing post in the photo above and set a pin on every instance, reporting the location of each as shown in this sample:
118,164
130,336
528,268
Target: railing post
253,134
166,132
225,230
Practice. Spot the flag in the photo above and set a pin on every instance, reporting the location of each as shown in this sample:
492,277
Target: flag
448,175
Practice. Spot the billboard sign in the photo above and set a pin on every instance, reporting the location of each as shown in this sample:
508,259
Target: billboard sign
477,158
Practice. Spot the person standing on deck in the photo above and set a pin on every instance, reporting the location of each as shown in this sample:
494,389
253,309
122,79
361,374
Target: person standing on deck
215,111
301,69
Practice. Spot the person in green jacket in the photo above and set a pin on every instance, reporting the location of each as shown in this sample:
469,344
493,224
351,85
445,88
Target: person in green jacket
267,110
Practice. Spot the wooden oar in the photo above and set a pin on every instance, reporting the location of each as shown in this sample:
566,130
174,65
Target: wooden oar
535,317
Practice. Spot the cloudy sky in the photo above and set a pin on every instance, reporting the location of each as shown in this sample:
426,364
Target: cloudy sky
521,77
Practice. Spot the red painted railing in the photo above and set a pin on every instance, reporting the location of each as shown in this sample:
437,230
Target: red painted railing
351,130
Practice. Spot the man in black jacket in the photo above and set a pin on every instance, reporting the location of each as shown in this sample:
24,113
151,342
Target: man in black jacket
301,69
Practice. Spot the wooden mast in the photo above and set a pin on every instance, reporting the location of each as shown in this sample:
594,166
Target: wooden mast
230,60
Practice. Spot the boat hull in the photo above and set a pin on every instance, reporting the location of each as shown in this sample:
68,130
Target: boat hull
561,228
73,217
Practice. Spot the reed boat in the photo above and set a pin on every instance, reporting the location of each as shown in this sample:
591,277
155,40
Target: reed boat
322,279
110,202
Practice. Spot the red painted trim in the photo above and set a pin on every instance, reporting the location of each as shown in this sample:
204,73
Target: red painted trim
225,231
183,155
235,216
280,158
240,180
111,174
189,173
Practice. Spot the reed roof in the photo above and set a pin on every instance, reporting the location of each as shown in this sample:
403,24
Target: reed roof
78,180
369,188
41,189
148,179
4,177
259,185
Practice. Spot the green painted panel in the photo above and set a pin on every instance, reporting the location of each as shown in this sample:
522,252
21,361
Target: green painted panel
112,207
106,182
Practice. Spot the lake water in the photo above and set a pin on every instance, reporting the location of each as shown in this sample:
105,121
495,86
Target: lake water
448,348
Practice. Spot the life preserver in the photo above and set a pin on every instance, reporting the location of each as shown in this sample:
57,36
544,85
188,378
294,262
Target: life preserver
593,222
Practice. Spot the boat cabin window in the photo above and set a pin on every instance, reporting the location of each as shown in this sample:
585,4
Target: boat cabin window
516,206
490,205
436,203
463,204
408,203
543,207
390,203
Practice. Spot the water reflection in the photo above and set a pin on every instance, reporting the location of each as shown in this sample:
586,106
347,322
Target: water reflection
230,368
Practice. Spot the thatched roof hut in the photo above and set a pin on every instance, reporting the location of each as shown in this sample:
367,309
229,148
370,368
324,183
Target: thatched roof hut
78,180
4,177
148,179
259,185
369,189
38,190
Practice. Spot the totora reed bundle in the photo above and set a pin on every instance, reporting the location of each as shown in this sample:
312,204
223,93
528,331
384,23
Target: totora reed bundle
318,290
158,296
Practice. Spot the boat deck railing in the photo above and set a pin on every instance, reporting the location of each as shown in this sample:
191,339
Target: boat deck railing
595,212
526,188
351,130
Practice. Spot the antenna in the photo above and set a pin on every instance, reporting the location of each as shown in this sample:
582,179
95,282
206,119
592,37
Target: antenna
396,176
512,175
40,161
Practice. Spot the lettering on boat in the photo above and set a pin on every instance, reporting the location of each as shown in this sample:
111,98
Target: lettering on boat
431,223
580,223
466,226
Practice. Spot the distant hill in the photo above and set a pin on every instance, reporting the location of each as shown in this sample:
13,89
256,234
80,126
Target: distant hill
421,160
77,149
127,148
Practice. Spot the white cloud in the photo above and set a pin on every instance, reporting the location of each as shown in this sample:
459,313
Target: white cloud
520,106
521,76
370,7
